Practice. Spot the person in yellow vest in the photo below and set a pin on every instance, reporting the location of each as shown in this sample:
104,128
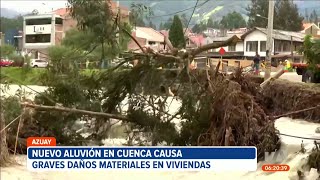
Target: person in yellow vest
287,66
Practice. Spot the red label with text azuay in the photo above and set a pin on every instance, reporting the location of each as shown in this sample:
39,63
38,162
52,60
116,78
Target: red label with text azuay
41,141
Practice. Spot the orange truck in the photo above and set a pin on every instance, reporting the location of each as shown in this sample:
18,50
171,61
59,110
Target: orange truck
308,75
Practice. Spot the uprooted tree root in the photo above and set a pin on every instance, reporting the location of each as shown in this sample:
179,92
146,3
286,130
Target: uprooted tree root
283,96
235,118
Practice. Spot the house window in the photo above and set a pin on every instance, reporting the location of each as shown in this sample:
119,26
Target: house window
152,43
38,38
252,46
263,46
286,46
232,48
58,21
38,21
277,46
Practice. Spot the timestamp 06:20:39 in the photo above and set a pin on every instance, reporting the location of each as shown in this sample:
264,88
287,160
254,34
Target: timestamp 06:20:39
275,167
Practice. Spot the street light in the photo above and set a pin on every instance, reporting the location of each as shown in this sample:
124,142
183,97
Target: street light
258,15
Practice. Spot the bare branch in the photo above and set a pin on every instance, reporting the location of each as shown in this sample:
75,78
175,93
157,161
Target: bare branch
133,38
214,45
64,109
296,112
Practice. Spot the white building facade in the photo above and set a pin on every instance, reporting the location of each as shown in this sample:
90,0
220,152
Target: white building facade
41,32
255,41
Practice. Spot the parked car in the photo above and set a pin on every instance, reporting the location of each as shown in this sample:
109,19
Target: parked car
38,63
5,63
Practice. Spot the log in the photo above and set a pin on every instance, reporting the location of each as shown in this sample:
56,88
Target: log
276,76
73,110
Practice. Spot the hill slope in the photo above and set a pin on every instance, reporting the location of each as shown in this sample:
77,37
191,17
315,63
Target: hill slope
8,13
213,8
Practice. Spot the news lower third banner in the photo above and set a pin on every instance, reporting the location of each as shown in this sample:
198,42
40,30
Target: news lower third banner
57,158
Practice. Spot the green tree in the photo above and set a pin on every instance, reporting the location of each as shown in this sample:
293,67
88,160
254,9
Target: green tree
287,16
311,50
314,17
285,11
152,25
11,23
184,20
198,28
95,19
176,33
139,13
161,27
233,20
7,50
210,23
168,23
257,7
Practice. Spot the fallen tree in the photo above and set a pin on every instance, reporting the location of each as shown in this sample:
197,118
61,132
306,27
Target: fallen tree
282,96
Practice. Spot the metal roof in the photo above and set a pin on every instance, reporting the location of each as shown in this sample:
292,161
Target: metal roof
279,34
220,39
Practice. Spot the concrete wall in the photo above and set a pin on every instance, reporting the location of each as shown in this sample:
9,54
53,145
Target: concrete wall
232,63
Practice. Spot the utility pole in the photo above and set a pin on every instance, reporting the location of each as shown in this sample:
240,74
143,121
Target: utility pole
292,58
119,24
269,40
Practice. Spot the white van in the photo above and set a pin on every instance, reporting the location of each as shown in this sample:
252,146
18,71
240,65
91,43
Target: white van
35,63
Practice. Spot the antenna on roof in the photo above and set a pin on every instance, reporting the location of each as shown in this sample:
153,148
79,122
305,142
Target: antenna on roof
35,12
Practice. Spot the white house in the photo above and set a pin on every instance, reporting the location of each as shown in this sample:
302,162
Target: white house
255,41
311,29
211,32
41,32
238,47
150,37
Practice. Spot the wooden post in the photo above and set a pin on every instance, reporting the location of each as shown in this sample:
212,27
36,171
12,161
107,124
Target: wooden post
292,50
276,76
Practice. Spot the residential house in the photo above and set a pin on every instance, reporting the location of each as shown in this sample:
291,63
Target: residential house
45,30
195,40
147,37
211,32
255,41
233,50
238,31
310,29
40,32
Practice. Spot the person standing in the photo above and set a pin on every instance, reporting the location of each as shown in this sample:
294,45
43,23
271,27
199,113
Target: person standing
256,63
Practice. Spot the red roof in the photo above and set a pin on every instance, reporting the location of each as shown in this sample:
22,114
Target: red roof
61,11
197,39
165,33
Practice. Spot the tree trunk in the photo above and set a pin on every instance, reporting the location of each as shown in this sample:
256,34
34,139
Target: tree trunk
4,156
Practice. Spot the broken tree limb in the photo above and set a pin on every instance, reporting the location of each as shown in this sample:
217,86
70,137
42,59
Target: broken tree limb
296,112
214,46
276,76
133,38
168,43
65,109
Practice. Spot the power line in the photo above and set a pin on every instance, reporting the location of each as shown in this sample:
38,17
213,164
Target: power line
191,17
177,12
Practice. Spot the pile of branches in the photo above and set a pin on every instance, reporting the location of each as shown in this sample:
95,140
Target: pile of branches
215,110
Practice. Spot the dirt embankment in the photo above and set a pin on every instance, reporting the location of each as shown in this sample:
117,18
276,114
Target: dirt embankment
283,96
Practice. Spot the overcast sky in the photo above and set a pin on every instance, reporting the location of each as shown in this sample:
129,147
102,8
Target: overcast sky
29,6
